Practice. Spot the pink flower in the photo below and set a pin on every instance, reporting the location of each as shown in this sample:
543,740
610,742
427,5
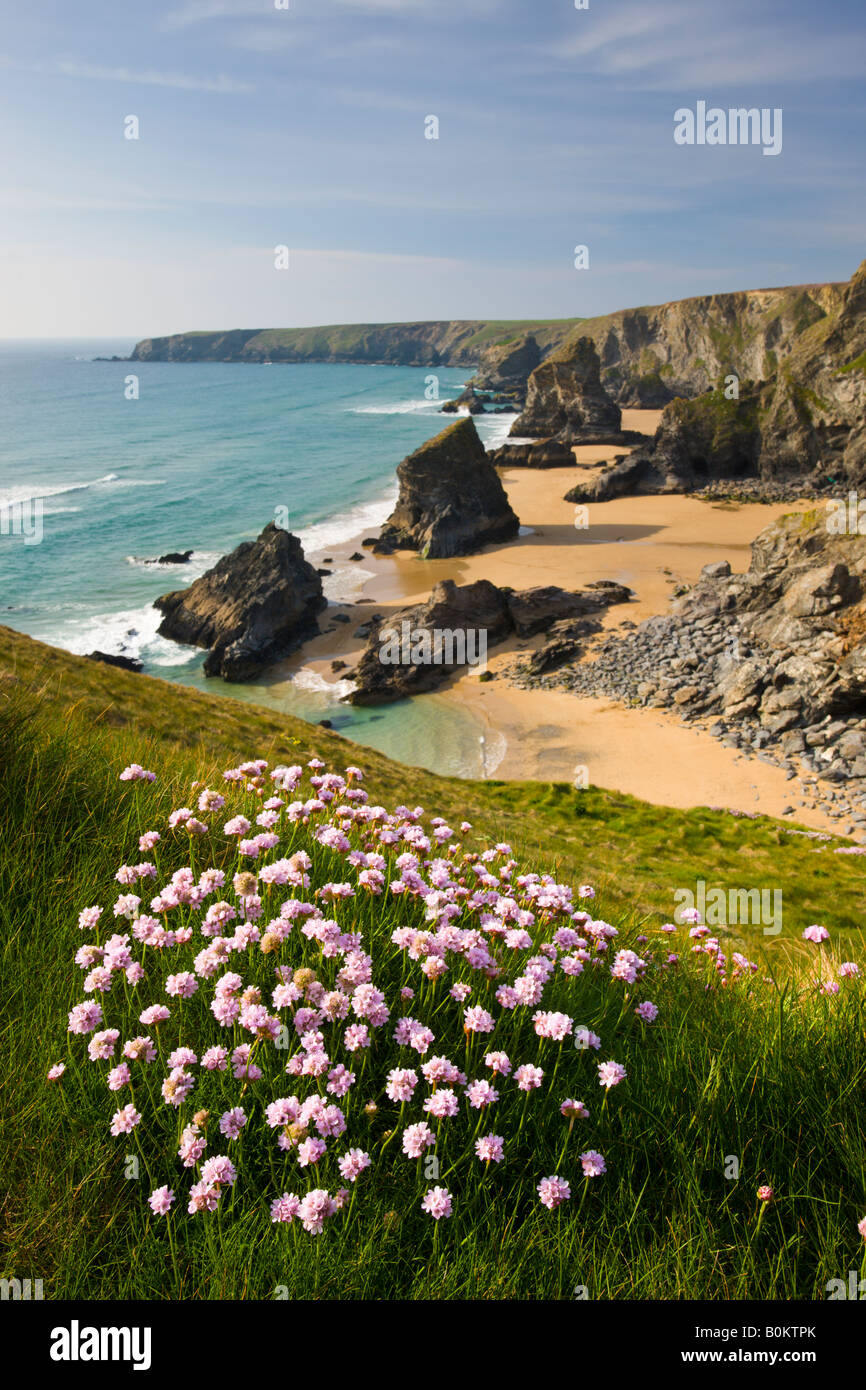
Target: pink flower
219,1171
481,1093
232,1122
285,1208
585,1038
353,1163
574,1110
552,1025
157,1013
310,1151
183,985
861,1227
84,1018
160,1201
593,1164
55,1072
119,1077
88,917
816,934
647,1011
136,773
553,1191
442,1103
401,1084
489,1148
417,1138
610,1074
478,1020
765,1193
314,1210
203,1196
437,1203
498,1062
125,1120
528,1077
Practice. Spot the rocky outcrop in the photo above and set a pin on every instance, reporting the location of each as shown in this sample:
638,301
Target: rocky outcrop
124,663
507,366
653,354
774,660
420,647
566,400
253,608
451,501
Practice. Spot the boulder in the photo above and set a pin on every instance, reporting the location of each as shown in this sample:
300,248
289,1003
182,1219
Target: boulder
253,608
535,610
125,663
451,500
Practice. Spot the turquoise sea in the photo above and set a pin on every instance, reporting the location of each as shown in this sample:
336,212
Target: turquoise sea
201,460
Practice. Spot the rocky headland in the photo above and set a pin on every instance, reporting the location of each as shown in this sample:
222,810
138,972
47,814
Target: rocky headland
253,608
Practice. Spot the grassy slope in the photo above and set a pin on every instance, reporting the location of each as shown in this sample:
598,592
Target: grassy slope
775,1086
637,851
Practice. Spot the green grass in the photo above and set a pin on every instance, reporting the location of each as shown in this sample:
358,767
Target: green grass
775,1080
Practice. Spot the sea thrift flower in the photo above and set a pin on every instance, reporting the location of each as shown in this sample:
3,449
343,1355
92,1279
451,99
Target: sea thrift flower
647,1012
353,1163
285,1208
437,1203
160,1201
119,1077
442,1104
315,1209
478,1020
765,1193
124,1121
84,1018
816,934
55,1072
610,1074
481,1093
585,1038
552,1025
417,1138
489,1148
88,918
593,1164
574,1110
232,1122
157,1013
528,1077
553,1191
136,773
498,1062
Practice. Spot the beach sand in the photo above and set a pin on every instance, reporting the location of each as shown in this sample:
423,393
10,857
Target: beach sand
650,544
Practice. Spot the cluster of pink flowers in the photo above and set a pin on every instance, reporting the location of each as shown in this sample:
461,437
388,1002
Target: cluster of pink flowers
247,975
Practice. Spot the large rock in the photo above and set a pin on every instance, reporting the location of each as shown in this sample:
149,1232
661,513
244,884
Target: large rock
253,608
461,622
565,399
451,500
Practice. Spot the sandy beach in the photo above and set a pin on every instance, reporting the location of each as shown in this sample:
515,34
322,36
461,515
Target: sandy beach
651,544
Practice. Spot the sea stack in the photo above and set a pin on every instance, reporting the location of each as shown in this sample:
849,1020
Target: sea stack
253,608
451,499
565,399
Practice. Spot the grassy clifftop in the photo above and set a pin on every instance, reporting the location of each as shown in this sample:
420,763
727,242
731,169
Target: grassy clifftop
445,343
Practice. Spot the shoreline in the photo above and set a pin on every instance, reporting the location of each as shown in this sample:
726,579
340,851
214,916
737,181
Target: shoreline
652,544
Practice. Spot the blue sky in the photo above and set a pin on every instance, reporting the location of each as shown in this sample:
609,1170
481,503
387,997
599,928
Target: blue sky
305,127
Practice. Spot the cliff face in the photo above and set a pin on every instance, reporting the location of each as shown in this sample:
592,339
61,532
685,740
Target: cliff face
461,342
451,500
253,608
651,355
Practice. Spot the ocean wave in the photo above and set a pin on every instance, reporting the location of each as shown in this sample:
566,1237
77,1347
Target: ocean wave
495,748
310,680
401,408
333,531
33,492
129,632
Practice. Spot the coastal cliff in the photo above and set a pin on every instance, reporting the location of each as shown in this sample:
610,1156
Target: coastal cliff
447,343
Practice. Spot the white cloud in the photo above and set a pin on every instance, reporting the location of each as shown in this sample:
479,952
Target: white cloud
150,77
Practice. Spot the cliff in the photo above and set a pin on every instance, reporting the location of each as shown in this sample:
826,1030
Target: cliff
431,344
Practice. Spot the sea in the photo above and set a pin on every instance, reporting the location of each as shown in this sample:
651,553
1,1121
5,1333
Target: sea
114,463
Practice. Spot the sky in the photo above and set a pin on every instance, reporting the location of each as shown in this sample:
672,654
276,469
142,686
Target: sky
305,127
